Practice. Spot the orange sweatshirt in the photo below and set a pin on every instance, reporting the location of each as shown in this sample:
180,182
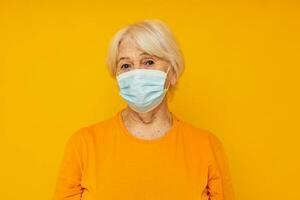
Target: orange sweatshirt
104,161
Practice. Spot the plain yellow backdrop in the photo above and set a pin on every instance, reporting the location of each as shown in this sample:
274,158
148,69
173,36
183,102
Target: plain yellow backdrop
241,82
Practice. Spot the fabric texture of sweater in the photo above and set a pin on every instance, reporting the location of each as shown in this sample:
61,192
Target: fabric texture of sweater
104,161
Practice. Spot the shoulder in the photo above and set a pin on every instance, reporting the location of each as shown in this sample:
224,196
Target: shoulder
200,135
201,143
90,131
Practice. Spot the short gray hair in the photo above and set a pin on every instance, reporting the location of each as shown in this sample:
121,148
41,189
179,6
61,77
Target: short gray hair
152,36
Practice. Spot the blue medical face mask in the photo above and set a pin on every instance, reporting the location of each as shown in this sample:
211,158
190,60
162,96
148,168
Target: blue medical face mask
143,89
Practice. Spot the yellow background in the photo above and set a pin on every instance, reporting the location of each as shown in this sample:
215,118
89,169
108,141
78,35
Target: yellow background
241,82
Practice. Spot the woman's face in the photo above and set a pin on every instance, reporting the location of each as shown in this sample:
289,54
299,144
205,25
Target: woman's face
132,57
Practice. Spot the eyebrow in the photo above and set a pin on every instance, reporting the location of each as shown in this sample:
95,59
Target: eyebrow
144,53
141,54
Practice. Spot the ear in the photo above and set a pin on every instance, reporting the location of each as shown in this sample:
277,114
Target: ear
172,76
173,80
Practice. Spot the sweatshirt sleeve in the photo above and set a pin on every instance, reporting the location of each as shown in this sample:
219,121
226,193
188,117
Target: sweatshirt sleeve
68,182
220,186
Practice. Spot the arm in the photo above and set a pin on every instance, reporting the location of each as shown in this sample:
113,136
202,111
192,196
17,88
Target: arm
220,186
68,183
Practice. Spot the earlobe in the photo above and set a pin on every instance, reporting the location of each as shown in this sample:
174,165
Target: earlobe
173,79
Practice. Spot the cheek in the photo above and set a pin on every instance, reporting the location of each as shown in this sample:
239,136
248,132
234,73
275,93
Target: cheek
161,63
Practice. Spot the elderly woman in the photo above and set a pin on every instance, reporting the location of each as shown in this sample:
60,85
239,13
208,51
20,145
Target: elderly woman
144,151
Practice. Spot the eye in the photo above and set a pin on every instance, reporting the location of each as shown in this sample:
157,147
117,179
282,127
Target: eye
149,62
125,66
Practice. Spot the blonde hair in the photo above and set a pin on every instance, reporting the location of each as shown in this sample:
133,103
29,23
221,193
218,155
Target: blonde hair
152,36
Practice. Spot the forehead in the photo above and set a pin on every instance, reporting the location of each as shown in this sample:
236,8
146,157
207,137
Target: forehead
127,42
128,45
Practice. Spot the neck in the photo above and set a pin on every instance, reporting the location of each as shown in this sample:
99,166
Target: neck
160,114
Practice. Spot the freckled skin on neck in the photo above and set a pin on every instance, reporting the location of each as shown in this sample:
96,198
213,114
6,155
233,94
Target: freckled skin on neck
151,124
